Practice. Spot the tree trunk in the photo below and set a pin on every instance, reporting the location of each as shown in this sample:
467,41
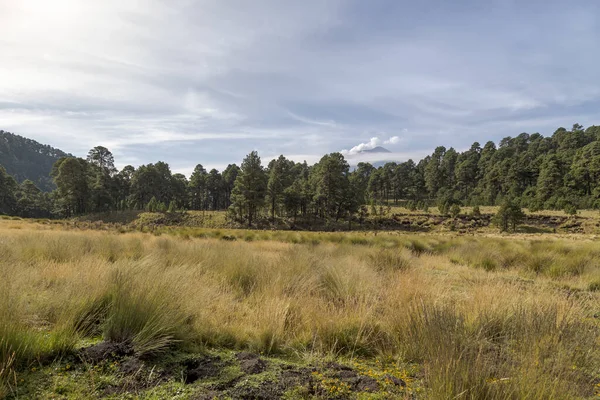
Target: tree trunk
273,209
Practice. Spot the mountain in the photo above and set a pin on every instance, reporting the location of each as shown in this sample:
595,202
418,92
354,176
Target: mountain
27,159
377,149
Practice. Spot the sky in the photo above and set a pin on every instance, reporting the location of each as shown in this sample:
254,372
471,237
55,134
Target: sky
198,81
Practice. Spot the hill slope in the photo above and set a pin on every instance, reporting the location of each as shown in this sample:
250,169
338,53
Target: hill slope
27,159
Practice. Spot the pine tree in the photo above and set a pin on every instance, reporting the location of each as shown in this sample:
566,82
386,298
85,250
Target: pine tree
279,180
197,188
71,178
330,180
248,194
8,188
509,216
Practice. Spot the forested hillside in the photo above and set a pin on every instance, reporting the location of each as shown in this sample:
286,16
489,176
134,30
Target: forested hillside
557,172
27,159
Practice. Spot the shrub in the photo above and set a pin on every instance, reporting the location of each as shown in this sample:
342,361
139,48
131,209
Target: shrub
443,208
454,210
509,216
570,209
476,212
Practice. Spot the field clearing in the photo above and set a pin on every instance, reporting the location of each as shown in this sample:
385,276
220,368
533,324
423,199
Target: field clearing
448,316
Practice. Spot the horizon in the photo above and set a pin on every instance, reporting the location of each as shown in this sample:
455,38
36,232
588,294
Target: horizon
206,82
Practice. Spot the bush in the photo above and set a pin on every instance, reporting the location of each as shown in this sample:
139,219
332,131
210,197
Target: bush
443,208
476,212
509,216
454,210
570,209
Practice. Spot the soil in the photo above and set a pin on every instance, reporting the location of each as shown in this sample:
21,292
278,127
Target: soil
353,379
257,378
251,363
202,368
105,351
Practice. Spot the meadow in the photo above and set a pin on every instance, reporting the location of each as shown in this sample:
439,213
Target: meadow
217,313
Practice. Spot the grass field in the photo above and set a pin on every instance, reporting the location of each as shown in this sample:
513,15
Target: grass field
386,219
206,313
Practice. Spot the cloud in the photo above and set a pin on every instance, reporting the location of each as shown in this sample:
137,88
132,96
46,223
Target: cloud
190,81
397,157
371,144
392,140
374,142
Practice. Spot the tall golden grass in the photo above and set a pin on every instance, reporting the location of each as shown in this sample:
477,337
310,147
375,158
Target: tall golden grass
484,317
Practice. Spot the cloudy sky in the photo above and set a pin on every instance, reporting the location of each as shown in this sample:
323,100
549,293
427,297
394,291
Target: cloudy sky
189,81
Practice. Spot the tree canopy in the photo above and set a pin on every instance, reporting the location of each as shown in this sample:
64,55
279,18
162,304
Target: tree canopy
557,172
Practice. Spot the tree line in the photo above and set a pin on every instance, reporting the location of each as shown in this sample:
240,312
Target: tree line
557,172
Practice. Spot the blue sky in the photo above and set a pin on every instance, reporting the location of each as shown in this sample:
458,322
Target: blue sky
206,82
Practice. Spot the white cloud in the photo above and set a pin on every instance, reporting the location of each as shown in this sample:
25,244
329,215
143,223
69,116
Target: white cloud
290,77
393,140
397,157
371,144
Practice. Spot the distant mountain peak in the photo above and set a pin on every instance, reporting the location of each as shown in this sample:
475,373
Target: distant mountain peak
377,149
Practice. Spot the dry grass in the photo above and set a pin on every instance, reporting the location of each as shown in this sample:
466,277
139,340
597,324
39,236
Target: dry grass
484,317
